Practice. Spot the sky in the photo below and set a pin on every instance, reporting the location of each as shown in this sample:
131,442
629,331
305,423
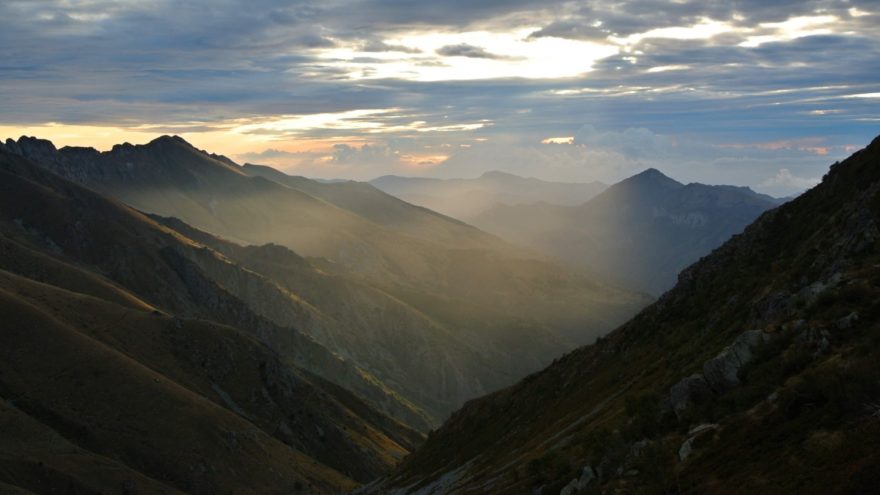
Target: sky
760,93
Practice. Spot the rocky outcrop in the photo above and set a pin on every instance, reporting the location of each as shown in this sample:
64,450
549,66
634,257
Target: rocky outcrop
578,484
722,371
694,435
687,391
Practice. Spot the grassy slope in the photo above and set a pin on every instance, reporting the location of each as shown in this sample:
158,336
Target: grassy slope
804,420
320,419
65,220
107,402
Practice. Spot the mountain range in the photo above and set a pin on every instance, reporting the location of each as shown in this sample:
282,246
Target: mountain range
174,322
756,373
412,310
638,234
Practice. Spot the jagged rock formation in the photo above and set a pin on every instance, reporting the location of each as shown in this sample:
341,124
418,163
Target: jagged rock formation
792,413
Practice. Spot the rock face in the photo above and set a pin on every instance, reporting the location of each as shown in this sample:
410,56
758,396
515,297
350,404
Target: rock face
721,372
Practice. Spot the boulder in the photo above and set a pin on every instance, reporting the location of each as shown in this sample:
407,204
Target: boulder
696,432
687,391
847,321
686,448
721,372
578,484
815,338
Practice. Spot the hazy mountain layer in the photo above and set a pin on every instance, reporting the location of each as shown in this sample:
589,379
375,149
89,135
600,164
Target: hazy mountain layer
466,198
638,233
757,373
428,310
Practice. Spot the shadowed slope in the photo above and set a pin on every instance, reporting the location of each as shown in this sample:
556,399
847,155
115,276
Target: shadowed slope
109,403
61,234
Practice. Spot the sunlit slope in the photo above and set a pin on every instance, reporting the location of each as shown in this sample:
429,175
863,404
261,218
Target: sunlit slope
757,373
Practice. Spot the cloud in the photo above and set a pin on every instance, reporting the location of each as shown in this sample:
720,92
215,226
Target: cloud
571,29
341,160
382,46
470,51
785,183
747,74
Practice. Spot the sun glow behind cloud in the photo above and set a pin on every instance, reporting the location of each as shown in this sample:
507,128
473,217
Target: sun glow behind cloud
501,55
793,28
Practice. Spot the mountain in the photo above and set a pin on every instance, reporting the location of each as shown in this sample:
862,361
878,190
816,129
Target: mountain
467,198
383,209
125,368
756,373
411,310
639,233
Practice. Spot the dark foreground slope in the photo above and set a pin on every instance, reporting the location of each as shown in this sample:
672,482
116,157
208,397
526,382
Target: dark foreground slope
758,373
124,367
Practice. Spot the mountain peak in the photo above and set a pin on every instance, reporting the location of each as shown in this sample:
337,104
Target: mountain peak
166,140
652,176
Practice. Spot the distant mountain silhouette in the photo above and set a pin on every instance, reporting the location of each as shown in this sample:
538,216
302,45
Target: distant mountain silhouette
638,233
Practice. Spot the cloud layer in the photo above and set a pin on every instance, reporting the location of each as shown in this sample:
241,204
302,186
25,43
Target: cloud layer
751,92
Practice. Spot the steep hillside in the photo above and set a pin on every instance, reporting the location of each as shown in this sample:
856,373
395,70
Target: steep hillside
435,311
107,360
398,345
192,404
757,373
41,214
467,198
638,233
